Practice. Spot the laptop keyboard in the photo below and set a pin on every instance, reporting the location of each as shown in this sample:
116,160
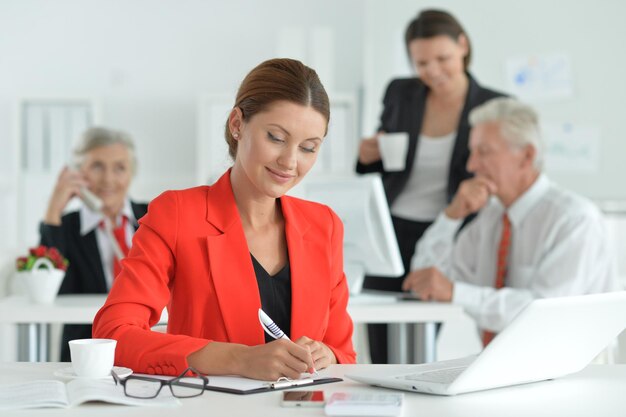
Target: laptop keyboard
443,376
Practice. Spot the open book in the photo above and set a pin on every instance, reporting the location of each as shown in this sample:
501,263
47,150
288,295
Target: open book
51,393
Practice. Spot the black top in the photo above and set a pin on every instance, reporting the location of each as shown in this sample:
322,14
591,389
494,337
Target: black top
275,294
404,104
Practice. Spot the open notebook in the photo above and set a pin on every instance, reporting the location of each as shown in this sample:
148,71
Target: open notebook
239,385
551,338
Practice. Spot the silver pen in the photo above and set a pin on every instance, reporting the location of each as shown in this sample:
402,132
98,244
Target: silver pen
272,329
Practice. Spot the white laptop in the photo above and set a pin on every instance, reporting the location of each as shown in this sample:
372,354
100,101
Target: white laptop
550,338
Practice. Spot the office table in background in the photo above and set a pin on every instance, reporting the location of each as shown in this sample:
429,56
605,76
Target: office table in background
598,390
420,345
412,324
34,320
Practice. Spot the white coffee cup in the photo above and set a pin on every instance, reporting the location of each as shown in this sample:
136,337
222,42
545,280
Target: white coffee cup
92,358
393,148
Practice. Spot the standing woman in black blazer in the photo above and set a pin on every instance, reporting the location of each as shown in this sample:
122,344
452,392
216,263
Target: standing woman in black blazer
105,163
432,108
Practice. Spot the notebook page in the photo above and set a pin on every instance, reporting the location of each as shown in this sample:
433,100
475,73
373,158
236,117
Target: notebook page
34,394
83,390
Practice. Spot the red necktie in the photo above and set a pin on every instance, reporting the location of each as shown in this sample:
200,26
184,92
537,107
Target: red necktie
120,235
503,253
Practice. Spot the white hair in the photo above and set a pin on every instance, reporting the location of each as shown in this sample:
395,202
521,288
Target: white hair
519,124
96,137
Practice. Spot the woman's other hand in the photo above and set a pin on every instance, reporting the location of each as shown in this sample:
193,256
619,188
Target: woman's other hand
369,151
67,186
321,354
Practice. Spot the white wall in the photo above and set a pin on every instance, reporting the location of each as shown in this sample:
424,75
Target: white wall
146,63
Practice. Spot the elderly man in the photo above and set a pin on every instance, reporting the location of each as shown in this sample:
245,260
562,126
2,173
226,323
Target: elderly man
531,239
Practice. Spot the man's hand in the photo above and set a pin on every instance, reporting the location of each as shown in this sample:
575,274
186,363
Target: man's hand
472,195
429,284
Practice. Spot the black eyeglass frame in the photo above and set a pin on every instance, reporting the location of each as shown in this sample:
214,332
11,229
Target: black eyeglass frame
163,382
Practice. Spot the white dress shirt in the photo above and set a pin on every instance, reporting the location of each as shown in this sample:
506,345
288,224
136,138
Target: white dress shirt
559,247
90,220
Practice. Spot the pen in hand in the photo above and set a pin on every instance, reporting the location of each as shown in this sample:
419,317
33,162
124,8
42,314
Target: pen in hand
272,328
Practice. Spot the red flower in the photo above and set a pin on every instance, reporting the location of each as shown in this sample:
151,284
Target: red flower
20,263
39,251
54,255
26,263
64,264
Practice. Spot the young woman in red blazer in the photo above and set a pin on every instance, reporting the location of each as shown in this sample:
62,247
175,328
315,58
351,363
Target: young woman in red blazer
216,254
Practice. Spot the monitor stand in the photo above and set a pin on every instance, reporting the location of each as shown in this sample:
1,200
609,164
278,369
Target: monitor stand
355,274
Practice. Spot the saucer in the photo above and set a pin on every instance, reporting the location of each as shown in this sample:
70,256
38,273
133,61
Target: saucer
69,373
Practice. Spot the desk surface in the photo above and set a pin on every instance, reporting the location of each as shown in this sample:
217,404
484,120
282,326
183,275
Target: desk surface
596,391
79,309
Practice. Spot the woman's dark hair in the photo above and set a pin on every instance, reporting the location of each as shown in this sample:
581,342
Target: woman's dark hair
275,80
431,23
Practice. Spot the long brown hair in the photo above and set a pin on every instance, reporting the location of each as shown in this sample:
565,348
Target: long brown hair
430,23
274,80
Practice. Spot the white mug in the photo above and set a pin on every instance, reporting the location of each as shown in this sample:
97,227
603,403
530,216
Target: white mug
393,148
92,358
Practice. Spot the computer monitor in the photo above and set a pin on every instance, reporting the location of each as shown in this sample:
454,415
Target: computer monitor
370,245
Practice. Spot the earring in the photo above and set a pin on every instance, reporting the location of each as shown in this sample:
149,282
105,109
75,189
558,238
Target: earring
235,135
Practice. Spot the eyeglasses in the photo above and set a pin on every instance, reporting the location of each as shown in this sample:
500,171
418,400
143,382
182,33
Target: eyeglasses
146,387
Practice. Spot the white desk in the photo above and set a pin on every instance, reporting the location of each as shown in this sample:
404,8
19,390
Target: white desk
596,391
412,324
34,320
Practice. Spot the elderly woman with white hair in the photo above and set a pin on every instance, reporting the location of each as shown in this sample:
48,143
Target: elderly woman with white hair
95,237
531,239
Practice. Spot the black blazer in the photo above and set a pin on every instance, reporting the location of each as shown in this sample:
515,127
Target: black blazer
404,104
84,274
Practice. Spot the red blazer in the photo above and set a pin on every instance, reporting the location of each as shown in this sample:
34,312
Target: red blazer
190,253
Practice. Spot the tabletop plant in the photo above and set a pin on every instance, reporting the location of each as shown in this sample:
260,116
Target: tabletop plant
26,263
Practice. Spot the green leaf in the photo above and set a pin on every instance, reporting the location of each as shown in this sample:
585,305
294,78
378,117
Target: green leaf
30,262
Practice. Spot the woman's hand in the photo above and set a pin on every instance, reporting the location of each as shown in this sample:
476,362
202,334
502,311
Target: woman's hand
68,185
369,151
280,358
268,362
322,355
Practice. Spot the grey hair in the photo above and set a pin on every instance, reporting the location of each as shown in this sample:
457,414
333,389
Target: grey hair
519,124
97,137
